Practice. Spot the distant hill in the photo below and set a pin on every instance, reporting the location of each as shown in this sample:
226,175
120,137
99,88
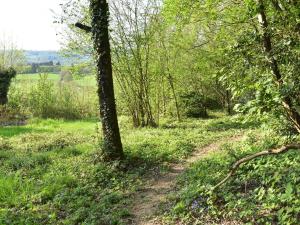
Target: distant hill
46,56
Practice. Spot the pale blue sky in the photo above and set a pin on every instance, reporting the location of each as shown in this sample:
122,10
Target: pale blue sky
30,23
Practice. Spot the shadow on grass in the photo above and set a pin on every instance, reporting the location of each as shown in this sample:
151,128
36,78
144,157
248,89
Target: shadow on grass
230,125
134,162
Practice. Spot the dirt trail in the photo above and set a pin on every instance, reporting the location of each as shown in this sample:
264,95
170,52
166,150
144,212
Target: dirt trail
147,200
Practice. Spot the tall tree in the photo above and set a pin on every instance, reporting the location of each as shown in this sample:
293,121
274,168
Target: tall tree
112,145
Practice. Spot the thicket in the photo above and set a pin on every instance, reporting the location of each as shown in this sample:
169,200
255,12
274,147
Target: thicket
153,65
73,96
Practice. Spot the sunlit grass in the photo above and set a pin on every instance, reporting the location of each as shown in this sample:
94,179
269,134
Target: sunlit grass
36,77
57,161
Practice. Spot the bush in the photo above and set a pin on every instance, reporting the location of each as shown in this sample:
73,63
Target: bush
6,76
12,116
194,105
65,76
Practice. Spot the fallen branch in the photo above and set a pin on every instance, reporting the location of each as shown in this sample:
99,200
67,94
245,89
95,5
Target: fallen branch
84,27
237,164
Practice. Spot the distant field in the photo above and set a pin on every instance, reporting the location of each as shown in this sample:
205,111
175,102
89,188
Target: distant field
36,76
32,78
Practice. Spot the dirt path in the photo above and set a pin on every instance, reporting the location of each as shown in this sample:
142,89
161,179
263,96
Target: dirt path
147,200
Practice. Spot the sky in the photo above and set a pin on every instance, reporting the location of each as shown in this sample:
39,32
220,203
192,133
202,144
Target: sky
30,23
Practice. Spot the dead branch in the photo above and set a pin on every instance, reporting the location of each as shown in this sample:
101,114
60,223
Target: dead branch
237,164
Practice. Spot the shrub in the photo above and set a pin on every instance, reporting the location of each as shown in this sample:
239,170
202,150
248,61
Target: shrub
65,76
6,75
12,116
194,105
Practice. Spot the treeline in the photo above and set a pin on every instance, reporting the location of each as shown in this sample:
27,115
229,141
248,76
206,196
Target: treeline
44,67
76,70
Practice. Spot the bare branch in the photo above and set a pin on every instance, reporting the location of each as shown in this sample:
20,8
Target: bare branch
237,164
84,27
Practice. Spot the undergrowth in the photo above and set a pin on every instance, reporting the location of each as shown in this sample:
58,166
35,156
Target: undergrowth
263,191
50,172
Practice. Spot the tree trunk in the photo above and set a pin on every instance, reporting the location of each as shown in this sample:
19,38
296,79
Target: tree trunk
228,102
170,79
112,146
287,102
3,99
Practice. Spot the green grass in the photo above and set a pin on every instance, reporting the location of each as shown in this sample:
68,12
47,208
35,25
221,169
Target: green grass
35,77
50,126
264,191
86,81
51,172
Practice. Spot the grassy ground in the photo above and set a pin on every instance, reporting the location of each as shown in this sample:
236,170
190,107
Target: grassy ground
263,191
50,172
36,76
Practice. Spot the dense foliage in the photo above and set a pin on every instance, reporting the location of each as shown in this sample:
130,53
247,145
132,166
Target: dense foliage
6,76
215,49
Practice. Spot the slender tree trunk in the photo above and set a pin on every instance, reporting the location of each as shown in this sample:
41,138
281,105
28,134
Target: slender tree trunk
3,99
135,118
158,104
141,109
228,102
164,98
170,79
287,102
112,146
